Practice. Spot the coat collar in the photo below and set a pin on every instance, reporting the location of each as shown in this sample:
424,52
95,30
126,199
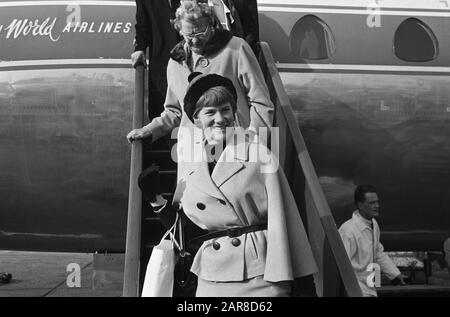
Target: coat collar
217,42
361,223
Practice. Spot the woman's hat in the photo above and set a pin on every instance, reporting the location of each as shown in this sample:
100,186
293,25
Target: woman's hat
199,84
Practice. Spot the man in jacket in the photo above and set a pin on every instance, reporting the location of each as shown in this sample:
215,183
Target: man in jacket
240,17
361,238
154,31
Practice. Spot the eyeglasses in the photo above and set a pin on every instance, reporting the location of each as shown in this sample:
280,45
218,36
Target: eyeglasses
195,35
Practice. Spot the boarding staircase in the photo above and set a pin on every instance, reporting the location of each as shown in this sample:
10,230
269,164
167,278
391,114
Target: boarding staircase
144,230
335,277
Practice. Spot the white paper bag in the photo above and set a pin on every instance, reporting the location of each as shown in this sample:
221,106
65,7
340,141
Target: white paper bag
158,280
159,276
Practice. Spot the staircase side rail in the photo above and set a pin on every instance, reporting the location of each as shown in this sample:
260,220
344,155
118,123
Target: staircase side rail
314,193
133,242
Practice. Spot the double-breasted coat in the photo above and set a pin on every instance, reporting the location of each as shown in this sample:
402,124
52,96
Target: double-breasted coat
245,188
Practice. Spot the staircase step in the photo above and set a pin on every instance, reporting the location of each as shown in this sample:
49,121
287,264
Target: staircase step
151,218
165,153
162,158
168,181
161,144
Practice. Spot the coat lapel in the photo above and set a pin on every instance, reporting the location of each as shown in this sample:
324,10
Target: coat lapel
200,178
230,162
224,171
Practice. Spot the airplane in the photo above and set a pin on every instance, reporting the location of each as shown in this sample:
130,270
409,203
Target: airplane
367,83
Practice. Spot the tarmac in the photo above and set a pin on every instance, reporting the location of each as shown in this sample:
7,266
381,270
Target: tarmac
36,274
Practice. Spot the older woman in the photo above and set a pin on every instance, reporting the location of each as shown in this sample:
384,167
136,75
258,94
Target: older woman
208,49
256,243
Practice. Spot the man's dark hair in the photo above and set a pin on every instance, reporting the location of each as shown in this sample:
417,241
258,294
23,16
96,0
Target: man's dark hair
360,192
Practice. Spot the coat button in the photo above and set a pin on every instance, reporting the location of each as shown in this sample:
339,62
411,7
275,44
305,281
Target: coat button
236,242
216,245
203,62
201,206
223,202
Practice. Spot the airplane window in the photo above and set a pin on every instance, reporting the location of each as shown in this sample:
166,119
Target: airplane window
311,38
414,41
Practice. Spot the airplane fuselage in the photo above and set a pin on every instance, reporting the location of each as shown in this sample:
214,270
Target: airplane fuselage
367,115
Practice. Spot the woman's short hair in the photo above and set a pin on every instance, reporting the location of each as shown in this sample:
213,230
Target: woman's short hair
191,11
213,97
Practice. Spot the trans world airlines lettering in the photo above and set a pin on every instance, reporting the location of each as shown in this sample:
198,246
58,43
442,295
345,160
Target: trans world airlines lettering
46,27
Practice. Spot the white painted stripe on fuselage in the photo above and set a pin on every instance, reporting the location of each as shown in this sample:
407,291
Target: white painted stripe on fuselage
354,11
52,235
127,62
261,7
67,2
51,62
371,68
387,4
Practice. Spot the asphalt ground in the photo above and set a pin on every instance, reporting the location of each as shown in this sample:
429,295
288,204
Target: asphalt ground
36,274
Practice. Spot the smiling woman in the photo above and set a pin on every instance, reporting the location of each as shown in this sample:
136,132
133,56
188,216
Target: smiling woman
210,103
215,120
249,211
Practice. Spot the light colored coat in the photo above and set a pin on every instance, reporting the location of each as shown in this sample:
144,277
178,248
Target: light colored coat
233,58
243,191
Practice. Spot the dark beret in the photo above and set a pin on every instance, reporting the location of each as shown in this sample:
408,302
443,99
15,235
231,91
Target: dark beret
199,84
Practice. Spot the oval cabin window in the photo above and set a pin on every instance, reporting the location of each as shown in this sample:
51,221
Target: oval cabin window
414,41
311,38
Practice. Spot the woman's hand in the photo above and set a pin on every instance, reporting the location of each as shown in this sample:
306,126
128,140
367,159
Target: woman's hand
138,134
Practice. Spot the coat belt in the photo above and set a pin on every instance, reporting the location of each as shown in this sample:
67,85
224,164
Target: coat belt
230,232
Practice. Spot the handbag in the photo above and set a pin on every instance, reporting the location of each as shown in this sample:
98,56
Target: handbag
185,282
159,276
